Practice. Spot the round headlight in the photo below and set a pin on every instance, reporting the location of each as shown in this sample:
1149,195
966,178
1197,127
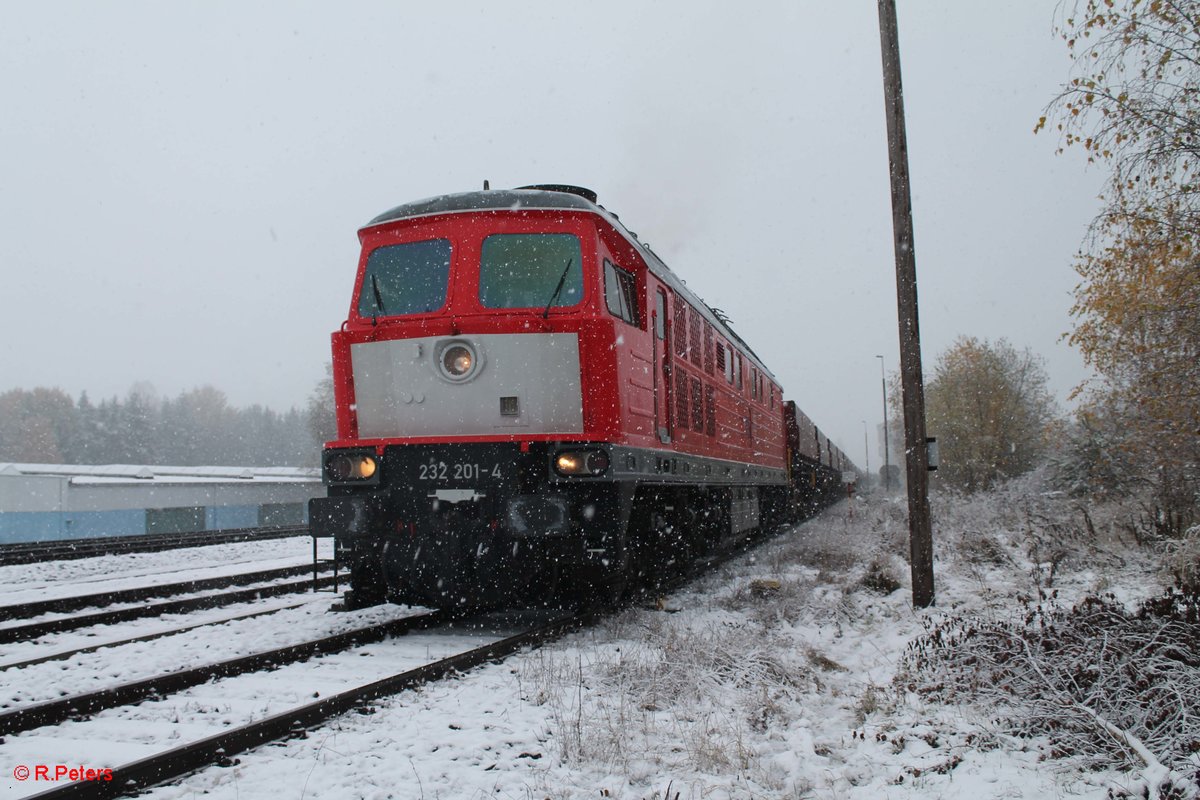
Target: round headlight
352,468
458,360
568,463
365,468
341,468
597,462
583,462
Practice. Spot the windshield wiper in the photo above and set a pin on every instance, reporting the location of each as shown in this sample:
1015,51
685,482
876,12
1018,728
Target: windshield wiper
561,280
379,306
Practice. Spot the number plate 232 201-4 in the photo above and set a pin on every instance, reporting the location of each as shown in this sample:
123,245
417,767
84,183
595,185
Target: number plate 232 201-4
459,472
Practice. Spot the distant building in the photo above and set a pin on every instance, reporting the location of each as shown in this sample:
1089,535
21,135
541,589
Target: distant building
40,502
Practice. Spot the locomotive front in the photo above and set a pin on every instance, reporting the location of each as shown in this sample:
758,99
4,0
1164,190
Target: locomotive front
472,465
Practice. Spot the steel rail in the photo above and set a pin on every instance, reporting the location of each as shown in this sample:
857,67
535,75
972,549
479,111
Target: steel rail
64,549
182,760
149,637
101,599
35,630
54,712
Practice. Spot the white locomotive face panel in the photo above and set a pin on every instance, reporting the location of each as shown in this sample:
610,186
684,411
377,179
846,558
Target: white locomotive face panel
412,387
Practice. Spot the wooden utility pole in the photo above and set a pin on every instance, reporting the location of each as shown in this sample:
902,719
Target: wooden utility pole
915,455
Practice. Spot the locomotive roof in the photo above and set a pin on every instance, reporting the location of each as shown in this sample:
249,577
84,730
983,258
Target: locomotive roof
559,198
487,200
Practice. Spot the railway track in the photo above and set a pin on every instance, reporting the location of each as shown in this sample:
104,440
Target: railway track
79,706
259,584
137,595
61,655
113,708
64,549
172,760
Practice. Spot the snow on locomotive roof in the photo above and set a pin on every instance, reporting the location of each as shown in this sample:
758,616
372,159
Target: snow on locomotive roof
559,197
487,200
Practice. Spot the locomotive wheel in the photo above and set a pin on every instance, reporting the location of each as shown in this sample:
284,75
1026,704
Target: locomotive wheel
658,546
584,588
676,543
708,521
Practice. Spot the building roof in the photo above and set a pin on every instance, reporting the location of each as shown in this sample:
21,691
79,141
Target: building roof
80,474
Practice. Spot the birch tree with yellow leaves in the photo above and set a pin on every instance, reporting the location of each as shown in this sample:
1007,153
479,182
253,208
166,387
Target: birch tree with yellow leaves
1132,103
988,405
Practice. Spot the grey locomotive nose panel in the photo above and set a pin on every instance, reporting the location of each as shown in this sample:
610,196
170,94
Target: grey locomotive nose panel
401,388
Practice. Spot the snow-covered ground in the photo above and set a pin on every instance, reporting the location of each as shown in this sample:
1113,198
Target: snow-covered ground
26,583
735,688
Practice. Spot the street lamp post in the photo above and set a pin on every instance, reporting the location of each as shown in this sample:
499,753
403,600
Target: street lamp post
887,477
867,453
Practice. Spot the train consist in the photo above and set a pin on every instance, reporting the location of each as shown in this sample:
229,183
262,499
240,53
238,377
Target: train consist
532,408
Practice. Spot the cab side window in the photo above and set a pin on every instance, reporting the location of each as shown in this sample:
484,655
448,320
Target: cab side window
620,293
660,318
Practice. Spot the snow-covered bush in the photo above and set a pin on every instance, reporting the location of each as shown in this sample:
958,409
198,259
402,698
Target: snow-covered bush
881,576
1107,686
1182,560
1105,461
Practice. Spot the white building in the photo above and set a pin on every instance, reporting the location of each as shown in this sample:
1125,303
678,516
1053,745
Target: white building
41,502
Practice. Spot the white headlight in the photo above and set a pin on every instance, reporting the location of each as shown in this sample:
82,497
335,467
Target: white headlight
458,361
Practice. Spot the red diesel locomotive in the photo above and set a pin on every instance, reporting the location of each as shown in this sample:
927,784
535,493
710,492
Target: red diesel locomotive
532,407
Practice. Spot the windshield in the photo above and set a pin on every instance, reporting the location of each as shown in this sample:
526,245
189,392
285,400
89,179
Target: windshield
523,270
407,278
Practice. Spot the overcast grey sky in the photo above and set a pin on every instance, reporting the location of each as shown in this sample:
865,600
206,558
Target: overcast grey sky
181,184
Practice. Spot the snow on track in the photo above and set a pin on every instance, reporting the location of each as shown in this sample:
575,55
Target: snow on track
22,583
89,672
106,635
127,734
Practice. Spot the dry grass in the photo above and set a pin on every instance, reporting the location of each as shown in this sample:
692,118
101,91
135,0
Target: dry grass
669,700
695,695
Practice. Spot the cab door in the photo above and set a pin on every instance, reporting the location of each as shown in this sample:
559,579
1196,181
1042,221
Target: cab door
661,327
